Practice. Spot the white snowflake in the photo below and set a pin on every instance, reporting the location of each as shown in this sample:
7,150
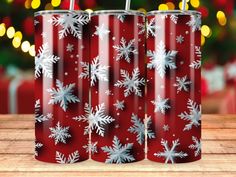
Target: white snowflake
117,153
150,134
119,105
231,71
73,157
182,83
44,62
71,23
170,153
194,115
44,35
37,146
151,28
166,128
108,92
121,17
174,18
36,22
161,60
196,146
180,39
125,50
98,71
161,105
59,133
196,64
69,47
195,23
101,31
198,51
131,83
63,95
40,117
95,119
91,147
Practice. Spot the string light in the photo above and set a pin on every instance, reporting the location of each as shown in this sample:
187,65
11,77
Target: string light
163,7
2,29
35,4
19,35
203,40
195,3
25,46
32,50
27,4
170,5
206,31
220,15
180,5
16,42
56,3
10,32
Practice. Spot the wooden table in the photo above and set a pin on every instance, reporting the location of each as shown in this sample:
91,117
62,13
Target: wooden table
17,146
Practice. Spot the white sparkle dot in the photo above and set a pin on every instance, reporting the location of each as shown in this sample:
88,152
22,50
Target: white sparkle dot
113,38
186,32
66,74
127,139
71,56
76,69
118,114
182,62
173,134
76,62
140,108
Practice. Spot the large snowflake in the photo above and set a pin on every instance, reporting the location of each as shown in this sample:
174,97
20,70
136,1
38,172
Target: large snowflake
170,153
182,83
101,31
73,157
117,153
196,146
194,115
44,62
71,23
125,50
59,133
131,83
98,71
161,59
161,104
38,116
195,23
91,147
95,119
63,95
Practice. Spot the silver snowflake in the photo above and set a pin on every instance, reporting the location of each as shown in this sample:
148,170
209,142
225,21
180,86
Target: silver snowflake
182,83
73,157
161,60
96,119
174,18
150,134
180,39
131,83
98,71
119,105
108,92
40,117
161,105
63,95
91,147
170,153
44,61
37,146
151,28
70,23
124,50
196,146
101,31
194,115
166,128
117,153
59,133
198,51
195,23
121,17
69,47
196,64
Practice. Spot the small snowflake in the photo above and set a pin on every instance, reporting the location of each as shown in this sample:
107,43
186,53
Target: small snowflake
121,17
37,146
119,105
69,47
151,28
180,39
166,128
73,157
117,153
170,153
91,147
198,51
59,133
108,92
40,117
174,18
101,31
44,35
196,146
125,50
194,115
182,83
195,23
196,64
161,60
62,95
36,22
161,105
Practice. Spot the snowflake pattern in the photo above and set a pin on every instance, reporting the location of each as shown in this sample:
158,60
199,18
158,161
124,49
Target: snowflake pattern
161,105
91,147
118,153
69,47
121,17
44,61
101,31
119,105
124,50
59,133
182,83
39,117
73,157
180,39
174,18
196,146
195,23
196,64
194,115
63,95
166,128
161,60
198,51
95,119
37,146
71,23
131,83
151,28
170,153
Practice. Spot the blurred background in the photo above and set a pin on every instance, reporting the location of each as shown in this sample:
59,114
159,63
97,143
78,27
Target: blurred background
17,48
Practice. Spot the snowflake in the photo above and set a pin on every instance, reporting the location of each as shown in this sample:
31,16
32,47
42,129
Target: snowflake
161,105
36,22
195,23
121,18
161,60
37,146
39,117
95,119
71,23
63,95
101,31
197,146
59,133
44,35
194,115
124,51
119,105
151,28
73,157
117,153
170,153
148,121
44,62
91,147
166,128
69,47
98,71
182,83
131,84
180,39
108,92
174,18
196,64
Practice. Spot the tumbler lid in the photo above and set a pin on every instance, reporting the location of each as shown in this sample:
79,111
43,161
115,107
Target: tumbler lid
118,12
43,12
174,12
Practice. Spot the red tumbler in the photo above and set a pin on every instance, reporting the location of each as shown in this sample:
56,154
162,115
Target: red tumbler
174,85
61,43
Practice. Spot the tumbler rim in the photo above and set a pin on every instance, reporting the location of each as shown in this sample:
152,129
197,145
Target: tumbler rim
176,12
117,12
43,12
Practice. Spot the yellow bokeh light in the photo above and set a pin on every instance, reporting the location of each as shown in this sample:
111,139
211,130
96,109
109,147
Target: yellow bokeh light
220,14
10,32
48,6
25,46
35,4
203,40
89,10
222,21
32,50
195,3
170,5
142,10
9,1
18,34
16,42
181,4
206,31
163,7
27,4
2,29
56,3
